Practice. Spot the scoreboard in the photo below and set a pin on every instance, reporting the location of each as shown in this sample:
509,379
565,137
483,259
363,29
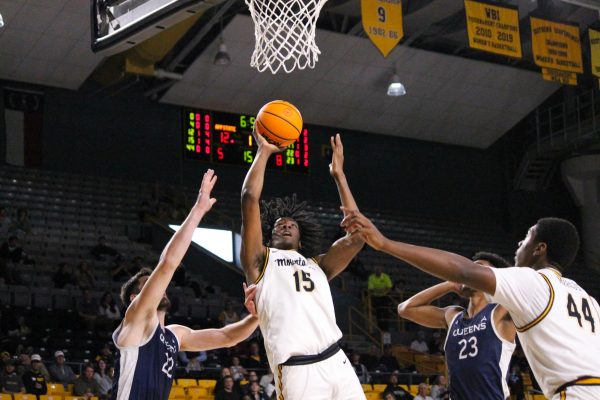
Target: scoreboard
220,137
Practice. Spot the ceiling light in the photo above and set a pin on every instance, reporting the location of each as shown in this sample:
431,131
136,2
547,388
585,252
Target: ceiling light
222,57
396,87
1,21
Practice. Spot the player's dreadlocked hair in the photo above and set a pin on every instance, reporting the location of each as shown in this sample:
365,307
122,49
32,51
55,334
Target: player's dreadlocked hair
311,232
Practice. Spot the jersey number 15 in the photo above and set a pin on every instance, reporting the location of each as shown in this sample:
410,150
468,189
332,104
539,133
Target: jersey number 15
303,281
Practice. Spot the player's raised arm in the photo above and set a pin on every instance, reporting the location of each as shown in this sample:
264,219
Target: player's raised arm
344,249
145,304
252,250
418,308
230,335
336,170
442,264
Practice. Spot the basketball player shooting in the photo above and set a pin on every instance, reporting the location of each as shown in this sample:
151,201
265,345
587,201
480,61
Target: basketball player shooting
556,320
480,340
146,348
293,300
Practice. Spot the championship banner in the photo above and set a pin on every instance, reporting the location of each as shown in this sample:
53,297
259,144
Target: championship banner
595,51
556,45
563,77
382,21
493,29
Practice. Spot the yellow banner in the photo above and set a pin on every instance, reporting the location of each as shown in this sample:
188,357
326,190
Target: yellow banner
493,29
564,77
382,21
556,45
595,51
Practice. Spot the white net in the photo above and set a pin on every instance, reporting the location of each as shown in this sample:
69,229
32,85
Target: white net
284,31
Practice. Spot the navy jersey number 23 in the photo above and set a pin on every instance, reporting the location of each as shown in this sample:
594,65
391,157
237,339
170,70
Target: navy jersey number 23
477,357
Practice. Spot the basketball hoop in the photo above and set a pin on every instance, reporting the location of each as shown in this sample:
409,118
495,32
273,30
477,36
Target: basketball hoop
284,31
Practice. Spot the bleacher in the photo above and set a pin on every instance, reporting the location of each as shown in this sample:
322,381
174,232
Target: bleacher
192,389
68,212
56,391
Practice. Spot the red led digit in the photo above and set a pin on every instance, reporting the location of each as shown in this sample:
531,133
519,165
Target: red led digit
225,137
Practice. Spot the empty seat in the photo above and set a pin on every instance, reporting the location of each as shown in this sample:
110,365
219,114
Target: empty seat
56,388
207,383
51,397
62,299
177,393
79,398
198,393
42,299
20,296
19,396
186,382
4,294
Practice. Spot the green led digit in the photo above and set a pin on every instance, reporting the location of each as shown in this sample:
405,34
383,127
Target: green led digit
248,158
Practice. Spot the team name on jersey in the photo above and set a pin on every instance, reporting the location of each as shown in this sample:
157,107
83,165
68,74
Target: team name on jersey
287,262
169,346
471,329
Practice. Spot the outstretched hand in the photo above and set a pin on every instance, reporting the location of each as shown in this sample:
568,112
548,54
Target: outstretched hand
462,290
357,224
250,294
336,168
264,144
204,201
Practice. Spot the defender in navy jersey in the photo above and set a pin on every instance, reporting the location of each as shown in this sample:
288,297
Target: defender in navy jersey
480,340
555,318
146,348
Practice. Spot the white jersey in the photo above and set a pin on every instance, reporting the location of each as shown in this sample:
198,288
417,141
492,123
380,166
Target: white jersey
557,322
295,308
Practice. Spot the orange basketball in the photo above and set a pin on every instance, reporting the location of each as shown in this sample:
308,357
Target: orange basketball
280,122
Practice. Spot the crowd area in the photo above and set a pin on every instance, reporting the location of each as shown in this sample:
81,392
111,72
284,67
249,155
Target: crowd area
242,371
